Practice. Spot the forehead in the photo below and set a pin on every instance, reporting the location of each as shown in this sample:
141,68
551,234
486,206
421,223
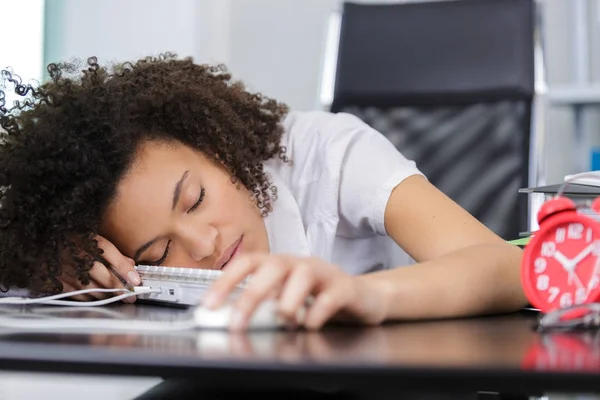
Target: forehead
160,154
156,167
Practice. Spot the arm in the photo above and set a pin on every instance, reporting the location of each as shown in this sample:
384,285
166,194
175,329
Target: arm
463,267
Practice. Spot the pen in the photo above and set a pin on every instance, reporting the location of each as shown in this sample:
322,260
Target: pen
114,271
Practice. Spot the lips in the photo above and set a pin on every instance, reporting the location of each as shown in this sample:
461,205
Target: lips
229,254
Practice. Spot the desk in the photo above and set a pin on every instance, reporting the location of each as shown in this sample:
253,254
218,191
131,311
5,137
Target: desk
498,354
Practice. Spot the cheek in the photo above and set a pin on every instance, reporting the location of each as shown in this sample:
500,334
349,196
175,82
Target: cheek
235,205
241,199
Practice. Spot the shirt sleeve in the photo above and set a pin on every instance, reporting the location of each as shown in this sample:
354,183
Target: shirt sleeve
371,167
342,166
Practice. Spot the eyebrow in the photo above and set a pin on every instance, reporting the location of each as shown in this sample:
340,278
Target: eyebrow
177,191
176,196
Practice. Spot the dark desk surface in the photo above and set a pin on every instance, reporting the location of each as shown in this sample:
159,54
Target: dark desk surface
501,353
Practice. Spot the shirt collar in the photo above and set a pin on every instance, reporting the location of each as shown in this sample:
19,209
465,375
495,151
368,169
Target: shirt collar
284,223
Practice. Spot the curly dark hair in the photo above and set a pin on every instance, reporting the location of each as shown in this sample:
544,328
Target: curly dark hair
67,144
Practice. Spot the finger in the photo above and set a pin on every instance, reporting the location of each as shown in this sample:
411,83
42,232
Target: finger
125,266
240,345
326,304
98,339
299,286
235,273
72,283
76,285
99,279
103,277
268,276
80,297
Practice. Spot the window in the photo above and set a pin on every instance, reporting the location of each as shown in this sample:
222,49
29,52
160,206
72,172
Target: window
23,24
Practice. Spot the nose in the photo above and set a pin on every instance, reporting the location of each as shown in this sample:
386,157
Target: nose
199,241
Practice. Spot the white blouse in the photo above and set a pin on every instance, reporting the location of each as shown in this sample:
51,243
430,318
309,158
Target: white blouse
332,198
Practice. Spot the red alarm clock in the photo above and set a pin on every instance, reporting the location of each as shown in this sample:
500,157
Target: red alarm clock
561,263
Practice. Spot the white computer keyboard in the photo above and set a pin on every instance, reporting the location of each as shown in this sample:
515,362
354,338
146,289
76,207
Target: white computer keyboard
179,286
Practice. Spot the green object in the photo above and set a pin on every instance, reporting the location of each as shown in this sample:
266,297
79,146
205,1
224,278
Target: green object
519,242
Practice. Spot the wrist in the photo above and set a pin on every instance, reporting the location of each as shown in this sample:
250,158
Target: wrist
379,295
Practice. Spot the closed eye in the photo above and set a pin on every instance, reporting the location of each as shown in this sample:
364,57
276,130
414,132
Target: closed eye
200,198
159,261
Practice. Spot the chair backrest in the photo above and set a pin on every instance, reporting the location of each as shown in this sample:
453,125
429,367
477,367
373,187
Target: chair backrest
451,83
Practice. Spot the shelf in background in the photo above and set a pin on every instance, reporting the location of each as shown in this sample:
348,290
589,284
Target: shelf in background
570,95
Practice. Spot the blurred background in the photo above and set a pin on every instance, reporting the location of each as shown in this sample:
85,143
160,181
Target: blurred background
287,49
277,47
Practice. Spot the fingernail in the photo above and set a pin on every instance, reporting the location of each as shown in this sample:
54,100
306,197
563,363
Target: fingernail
134,277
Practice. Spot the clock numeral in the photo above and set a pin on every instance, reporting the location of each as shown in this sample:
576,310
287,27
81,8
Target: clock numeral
581,295
548,249
554,292
561,234
539,265
575,231
588,235
543,282
566,300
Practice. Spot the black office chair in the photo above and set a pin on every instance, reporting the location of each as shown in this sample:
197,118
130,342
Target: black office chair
452,85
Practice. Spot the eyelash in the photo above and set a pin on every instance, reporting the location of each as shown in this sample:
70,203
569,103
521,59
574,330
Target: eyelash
200,199
164,257
192,209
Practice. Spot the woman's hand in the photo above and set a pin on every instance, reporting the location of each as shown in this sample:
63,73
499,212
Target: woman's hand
335,294
101,277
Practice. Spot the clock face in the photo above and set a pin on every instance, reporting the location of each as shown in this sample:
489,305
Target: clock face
561,265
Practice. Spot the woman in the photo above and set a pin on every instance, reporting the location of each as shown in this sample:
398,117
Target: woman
167,162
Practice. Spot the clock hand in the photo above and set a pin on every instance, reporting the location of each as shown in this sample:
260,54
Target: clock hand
573,264
569,265
575,277
562,260
583,254
565,263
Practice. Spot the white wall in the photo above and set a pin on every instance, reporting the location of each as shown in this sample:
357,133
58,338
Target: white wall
275,46
279,50
119,30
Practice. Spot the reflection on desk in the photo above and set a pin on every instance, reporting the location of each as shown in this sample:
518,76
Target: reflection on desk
498,353
566,352
498,342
